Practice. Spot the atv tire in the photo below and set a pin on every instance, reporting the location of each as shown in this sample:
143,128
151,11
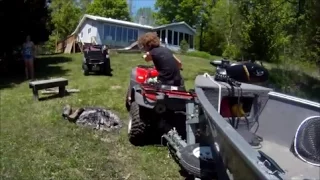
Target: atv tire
85,70
137,128
127,100
127,106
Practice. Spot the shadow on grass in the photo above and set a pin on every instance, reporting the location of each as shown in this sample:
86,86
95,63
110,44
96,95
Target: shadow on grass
100,74
45,67
52,96
295,83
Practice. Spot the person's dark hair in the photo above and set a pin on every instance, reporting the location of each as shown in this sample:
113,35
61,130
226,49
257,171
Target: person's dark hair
149,40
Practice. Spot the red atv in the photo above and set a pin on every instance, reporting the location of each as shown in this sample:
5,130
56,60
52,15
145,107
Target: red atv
139,75
154,108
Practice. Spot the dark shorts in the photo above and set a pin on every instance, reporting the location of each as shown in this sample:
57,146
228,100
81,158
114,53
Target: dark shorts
27,57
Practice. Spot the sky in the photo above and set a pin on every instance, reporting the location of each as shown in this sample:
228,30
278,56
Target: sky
142,3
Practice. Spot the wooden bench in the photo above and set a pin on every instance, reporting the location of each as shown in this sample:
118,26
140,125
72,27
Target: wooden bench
50,83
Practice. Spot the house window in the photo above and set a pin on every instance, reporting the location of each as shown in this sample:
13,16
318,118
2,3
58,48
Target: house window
186,37
113,32
124,35
158,32
106,31
191,41
175,38
89,30
163,36
135,34
119,34
169,37
130,35
180,37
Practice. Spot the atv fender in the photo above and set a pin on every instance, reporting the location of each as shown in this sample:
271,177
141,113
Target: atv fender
139,99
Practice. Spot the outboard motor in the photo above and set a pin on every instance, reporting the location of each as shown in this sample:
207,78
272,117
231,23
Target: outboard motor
221,66
247,72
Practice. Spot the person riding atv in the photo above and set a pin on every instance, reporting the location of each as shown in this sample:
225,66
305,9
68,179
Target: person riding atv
166,63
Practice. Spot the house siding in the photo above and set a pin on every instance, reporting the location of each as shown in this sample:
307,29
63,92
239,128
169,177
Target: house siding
97,31
102,39
179,28
84,35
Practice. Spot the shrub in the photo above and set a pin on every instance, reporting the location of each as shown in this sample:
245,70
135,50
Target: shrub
184,46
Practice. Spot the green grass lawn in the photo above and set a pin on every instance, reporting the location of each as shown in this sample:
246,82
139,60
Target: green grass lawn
36,143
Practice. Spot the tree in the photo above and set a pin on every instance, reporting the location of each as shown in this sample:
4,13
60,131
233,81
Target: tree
84,4
226,22
193,12
116,9
146,14
267,36
189,11
65,16
167,11
312,32
30,18
19,19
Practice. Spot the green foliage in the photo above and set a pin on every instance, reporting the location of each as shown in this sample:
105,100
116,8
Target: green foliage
193,12
231,51
166,11
225,22
84,4
200,54
116,9
146,13
270,30
184,46
30,18
62,150
312,30
50,45
65,16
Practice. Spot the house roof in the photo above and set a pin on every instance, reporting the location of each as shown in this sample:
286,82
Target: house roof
121,22
175,24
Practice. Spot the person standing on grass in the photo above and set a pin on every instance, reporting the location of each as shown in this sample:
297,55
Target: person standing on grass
28,52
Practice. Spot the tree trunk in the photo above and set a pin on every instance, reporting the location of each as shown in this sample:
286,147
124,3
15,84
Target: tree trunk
201,37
